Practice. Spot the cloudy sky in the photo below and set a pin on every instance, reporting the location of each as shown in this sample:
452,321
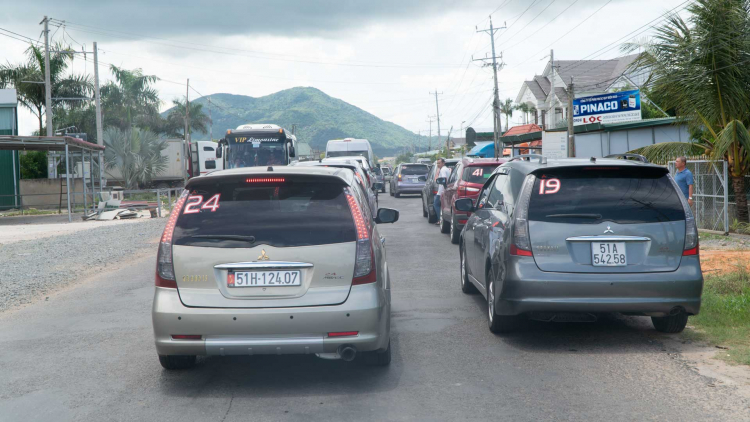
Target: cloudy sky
383,56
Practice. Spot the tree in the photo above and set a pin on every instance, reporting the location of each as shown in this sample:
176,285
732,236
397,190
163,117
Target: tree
697,68
33,165
25,78
136,154
524,108
507,108
130,100
175,122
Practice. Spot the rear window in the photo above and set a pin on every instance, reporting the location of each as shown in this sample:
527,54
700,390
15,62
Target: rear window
414,170
294,213
478,174
377,171
590,195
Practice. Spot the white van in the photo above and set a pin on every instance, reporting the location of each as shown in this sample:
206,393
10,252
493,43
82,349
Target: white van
350,146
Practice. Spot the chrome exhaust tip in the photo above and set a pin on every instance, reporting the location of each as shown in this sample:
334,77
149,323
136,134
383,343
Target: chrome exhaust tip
347,352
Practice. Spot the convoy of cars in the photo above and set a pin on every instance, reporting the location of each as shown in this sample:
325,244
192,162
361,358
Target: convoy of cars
288,260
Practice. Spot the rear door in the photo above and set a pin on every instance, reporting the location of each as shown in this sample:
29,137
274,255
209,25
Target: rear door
450,191
620,219
256,242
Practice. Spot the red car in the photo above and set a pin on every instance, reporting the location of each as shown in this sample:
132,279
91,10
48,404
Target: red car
465,181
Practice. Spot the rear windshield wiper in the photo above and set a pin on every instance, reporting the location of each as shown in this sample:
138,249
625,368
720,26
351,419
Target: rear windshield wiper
250,239
592,216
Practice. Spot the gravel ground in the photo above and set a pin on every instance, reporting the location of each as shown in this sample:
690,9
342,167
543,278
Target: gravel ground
710,241
32,269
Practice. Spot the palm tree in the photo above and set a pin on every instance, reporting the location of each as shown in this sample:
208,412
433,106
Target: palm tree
28,80
507,108
130,100
524,108
698,69
175,123
136,154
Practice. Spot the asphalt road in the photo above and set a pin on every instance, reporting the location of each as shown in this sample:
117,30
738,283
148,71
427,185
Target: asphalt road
87,354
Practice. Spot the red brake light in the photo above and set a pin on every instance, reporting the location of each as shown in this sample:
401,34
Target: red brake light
514,250
343,334
186,337
691,252
265,180
164,267
364,264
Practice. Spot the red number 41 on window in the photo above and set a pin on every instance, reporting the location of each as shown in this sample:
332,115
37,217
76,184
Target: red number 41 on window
193,204
549,186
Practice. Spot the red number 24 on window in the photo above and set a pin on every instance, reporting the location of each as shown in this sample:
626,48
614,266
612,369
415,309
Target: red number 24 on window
193,204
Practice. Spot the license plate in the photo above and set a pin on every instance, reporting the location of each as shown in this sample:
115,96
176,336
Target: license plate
608,254
263,278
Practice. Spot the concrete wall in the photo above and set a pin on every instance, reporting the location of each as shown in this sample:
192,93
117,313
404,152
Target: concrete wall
45,193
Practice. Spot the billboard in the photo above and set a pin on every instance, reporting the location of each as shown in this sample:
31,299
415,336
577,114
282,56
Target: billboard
614,107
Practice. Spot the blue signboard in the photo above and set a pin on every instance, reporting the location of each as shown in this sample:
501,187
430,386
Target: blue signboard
615,107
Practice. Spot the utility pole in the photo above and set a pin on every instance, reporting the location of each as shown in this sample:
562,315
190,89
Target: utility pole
47,83
98,98
496,100
211,121
430,138
188,148
571,132
437,108
551,110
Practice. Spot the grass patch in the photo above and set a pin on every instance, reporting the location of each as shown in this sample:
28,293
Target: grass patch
712,236
725,314
30,211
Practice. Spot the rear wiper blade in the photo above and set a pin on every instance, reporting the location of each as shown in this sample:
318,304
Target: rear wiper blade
592,216
250,239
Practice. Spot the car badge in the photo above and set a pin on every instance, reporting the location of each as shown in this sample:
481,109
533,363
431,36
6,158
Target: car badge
609,230
263,256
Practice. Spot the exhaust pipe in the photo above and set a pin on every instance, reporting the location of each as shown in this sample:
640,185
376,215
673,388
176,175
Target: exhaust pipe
676,310
347,352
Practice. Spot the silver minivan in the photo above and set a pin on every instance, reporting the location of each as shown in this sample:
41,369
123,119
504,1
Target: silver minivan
277,260
561,240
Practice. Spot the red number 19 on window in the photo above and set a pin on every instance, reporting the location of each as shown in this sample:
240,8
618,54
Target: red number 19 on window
549,186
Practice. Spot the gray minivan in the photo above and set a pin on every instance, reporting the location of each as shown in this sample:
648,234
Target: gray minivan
560,240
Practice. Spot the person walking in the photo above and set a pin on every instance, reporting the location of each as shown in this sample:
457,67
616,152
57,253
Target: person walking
444,172
684,178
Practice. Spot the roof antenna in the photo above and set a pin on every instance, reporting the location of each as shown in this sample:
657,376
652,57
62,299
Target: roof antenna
270,168
593,159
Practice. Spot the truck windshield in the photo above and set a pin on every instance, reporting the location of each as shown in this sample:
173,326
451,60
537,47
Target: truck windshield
251,152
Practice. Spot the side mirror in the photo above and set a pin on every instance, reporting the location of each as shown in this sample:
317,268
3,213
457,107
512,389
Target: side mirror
422,178
220,147
441,181
464,204
386,215
291,151
377,186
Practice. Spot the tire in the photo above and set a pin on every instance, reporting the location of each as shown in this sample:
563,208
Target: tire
670,324
431,216
425,213
444,226
454,232
377,358
466,285
383,190
397,195
174,362
498,324
390,191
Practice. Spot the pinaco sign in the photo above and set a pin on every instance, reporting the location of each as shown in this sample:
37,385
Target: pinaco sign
615,107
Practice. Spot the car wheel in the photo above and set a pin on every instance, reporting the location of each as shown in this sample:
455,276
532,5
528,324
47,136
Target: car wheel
498,324
671,323
396,194
466,285
455,233
172,362
378,358
391,190
431,216
383,190
444,225
425,213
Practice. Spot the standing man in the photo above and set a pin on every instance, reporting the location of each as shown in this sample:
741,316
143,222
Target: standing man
684,179
445,172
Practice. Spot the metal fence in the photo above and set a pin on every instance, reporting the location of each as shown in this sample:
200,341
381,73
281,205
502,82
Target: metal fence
711,195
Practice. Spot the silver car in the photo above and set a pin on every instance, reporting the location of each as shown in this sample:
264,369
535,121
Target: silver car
561,240
273,261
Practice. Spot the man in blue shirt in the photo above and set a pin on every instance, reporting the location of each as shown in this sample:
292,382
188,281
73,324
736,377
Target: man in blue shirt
684,178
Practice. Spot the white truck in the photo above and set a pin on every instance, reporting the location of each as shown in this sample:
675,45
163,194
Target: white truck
349,146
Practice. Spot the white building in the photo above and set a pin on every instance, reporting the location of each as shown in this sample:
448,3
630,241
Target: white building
590,77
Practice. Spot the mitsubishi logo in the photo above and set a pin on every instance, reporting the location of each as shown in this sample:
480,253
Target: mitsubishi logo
609,230
264,257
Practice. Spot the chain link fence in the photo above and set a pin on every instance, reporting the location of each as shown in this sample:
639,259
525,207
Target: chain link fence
711,194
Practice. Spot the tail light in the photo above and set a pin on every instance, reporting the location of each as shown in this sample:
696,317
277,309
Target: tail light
164,266
521,245
364,270
399,176
691,229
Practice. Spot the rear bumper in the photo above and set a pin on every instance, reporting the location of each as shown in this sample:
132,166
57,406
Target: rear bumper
528,289
409,187
232,331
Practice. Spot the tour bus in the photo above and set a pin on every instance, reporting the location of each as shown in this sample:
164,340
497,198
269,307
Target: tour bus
350,146
255,145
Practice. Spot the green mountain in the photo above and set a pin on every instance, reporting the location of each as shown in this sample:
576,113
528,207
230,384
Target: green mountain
319,118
